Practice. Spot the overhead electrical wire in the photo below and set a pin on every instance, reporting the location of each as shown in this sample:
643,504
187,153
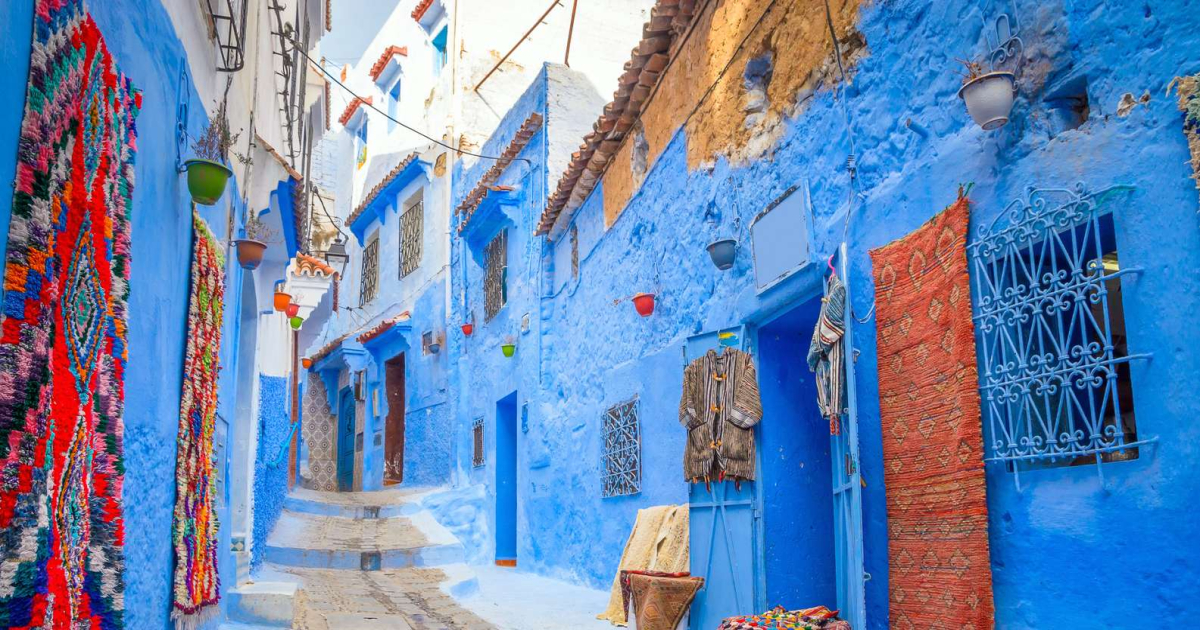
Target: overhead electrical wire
385,114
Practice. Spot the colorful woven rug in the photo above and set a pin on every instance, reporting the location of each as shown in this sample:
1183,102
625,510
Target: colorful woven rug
819,618
62,343
939,572
660,600
197,586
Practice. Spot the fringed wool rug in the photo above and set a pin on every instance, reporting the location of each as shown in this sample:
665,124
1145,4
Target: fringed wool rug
62,345
939,573
197,587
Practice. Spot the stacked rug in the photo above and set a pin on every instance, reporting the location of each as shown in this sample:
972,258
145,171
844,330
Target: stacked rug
62,344
197,586
659,543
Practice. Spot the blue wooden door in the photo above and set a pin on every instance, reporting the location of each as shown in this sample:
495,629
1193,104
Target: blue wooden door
725,528
506,479
847,489
345,441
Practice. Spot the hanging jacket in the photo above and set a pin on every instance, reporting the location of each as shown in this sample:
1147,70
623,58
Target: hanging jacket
719,407
826,354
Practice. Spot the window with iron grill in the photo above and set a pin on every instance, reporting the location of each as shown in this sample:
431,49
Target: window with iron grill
574,252
228,28
622,450
477,442
495,275
1053,363
369,284
411,224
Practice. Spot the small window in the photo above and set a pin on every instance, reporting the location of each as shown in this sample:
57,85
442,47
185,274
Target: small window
360,143
1053,360
477,443
411,226
439,51
574,252
394,104
495,275
622,450
427,342
369,283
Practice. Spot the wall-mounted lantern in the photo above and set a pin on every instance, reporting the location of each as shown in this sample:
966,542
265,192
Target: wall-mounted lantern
336,255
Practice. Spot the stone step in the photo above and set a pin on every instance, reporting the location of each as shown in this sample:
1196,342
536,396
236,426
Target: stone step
308,540
363,505
266,604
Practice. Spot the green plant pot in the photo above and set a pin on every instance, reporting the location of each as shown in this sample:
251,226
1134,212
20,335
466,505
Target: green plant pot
296,321
508,349
207,180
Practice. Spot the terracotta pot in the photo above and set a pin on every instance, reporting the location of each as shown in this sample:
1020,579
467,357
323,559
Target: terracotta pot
723,252
508,349
468,329
282,300
206,180
989,98
296,322
644,303
306,362
250,253
292,310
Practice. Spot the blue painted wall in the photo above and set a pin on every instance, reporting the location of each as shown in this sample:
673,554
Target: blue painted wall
270,472
140,36
1125,549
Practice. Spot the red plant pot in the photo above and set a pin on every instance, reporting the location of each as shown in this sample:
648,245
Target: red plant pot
292,309
468,329
644,303
306,362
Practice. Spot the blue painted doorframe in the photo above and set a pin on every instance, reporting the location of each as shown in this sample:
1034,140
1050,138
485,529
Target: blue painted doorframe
506,478
725,526
345,441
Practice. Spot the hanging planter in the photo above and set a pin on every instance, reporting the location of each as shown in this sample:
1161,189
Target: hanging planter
250,253
282,299
296,322
206,180
989,95
508,349
467,329
306,362
644,303
292,309
723,252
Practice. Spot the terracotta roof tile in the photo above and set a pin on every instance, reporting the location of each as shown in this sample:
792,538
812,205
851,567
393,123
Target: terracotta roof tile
266,146
328,15
382,62
421,8
328,348
514,148
310,266
379,188
383,327
353,107
647,61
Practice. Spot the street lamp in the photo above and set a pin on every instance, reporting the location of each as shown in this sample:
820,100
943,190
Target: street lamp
336,255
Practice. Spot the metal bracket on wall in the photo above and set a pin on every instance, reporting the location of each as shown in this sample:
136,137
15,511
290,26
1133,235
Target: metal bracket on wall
1006,50
183,104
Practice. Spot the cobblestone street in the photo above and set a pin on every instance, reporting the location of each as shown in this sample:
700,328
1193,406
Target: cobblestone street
395,599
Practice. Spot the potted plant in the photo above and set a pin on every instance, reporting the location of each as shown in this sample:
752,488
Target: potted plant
282,298
644,303
292,309
722,252
207,173
467,329
250,250
306,362
509,347
296,321
988,95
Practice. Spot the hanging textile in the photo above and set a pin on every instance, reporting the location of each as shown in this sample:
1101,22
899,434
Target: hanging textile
719,407
62,347
932,433
819,618
658,542
660,600
197,587
827,351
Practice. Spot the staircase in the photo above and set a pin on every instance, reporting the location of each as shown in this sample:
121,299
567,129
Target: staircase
352,532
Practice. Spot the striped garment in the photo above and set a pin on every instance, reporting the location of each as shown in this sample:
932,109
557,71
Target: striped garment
719,407
826,352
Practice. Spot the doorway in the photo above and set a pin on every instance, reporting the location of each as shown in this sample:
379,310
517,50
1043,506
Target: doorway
506,481
393,436
345,440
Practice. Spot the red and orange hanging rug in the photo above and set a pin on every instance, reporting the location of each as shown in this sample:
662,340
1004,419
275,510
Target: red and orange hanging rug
939,573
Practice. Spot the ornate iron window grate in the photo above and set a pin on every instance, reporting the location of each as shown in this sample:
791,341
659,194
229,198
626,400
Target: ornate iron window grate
1053,374
495,275
229,30
369,284
411,224
622,450
477,442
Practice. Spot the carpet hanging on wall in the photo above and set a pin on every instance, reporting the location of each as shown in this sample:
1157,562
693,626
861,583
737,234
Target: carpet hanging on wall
197,587
938,567
62,337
